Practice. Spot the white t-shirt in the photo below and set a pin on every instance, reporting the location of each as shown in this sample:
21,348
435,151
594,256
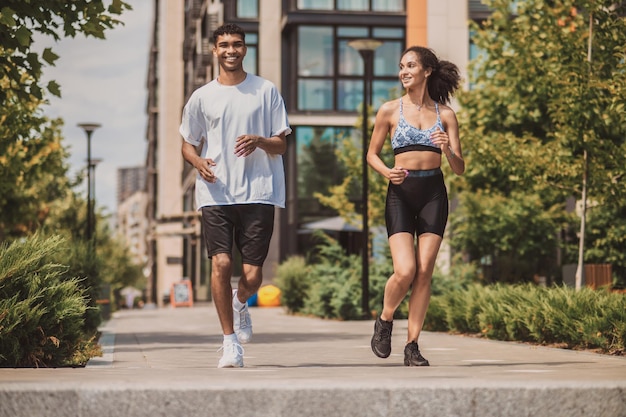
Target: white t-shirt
216,115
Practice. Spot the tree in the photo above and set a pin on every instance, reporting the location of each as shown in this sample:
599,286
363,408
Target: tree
318,169
33,171
536,107
20,65
341,197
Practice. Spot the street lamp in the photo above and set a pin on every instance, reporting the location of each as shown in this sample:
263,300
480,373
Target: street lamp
89,128
366,48
92,167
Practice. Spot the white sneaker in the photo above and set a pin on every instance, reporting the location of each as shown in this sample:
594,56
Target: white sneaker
232,356
242,323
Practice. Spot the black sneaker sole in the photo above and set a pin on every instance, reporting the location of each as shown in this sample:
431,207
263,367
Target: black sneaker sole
379,353
408,363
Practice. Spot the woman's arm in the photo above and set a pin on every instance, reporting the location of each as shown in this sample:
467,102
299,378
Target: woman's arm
449,141
382,127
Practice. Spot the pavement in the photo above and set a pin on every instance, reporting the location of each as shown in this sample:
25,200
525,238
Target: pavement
162,362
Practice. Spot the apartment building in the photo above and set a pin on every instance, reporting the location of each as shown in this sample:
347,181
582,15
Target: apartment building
302,47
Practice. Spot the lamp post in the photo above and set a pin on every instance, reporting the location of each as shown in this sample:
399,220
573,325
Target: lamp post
92,167
89,128
366,48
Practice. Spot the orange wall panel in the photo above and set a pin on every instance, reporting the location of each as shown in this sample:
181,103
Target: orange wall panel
416,22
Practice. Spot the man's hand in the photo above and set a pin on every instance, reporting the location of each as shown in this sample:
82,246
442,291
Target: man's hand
204,169
246,144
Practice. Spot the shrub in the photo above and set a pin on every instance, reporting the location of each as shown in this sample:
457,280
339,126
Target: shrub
293,280
436,316
559,315
42,309
85,266
336,288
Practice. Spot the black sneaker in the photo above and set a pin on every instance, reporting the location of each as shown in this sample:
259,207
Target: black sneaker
413,357
381,341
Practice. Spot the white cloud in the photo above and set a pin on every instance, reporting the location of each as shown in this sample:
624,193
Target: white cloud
104,81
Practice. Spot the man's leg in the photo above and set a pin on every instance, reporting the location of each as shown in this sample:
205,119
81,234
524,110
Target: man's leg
250,281
253,240
249,284
218,224
232,356
221,272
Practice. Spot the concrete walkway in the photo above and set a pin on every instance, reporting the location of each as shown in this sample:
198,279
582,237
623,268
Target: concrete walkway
162,362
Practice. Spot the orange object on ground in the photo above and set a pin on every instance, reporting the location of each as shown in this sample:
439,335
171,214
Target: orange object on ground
268,296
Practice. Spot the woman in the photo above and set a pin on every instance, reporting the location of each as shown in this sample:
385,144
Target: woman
422,128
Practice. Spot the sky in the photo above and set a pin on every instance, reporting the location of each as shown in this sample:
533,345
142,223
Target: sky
104,81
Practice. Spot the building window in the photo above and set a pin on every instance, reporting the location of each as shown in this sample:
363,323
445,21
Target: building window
251,61
388,5
330,73
316,147
353,5
315,4
247,9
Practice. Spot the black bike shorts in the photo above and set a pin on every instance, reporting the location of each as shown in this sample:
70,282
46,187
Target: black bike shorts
418,205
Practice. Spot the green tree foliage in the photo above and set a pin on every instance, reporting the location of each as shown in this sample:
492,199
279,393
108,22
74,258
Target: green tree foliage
68,215
606,234
319,169
20,65
117,267
110,262
535,105
33,170
342,197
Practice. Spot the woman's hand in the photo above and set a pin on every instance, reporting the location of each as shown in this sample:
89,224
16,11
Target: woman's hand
441,139
397,175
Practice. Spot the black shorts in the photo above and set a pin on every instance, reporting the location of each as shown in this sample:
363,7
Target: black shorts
418,205
250,226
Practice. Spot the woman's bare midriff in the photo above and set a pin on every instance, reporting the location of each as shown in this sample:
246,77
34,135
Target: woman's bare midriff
418,160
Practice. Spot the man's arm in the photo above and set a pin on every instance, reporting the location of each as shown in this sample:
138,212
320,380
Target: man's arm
203,166
275,145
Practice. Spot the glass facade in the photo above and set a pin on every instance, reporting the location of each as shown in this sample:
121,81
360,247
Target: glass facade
330,73
318,166
248,9
251,61
352,5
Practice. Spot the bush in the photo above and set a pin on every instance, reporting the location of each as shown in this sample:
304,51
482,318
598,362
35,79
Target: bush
336,289
585,319
85,266
329,286
42,309
293,280
380,272
436,316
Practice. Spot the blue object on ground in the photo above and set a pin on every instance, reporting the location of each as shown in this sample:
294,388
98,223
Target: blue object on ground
253,301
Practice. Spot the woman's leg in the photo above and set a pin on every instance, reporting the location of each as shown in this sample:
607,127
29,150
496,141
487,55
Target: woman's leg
427,249
402,248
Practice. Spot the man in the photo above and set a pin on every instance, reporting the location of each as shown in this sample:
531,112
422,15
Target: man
234,130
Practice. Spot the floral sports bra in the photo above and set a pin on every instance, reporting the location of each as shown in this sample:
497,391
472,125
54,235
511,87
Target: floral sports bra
409,138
